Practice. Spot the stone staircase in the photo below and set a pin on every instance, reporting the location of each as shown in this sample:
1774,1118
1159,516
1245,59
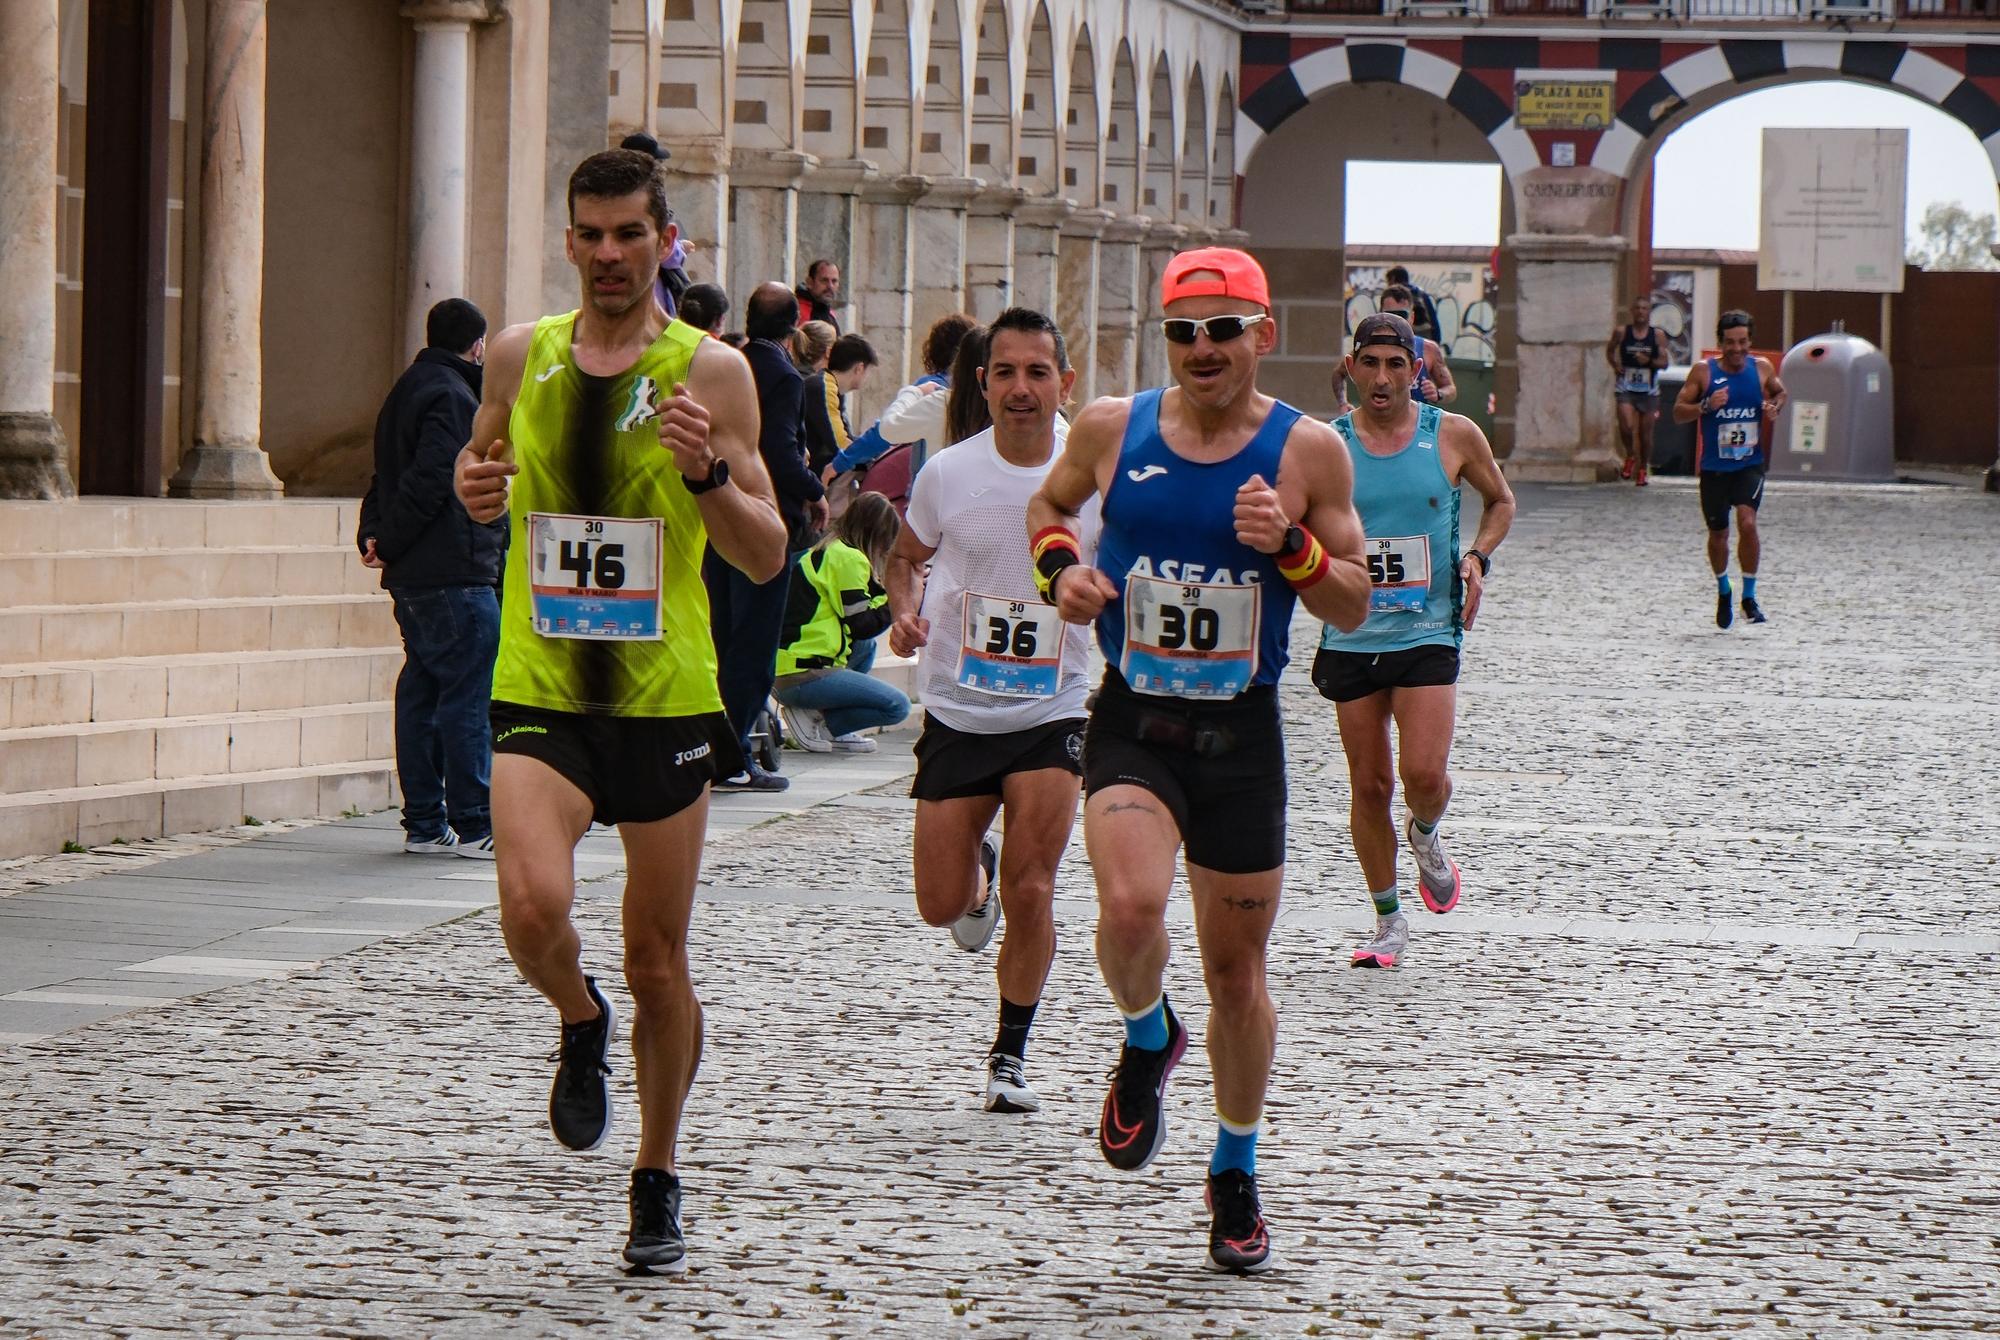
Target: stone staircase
171,666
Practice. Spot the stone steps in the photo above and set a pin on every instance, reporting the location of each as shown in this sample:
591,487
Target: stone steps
35,822
101,525
206,684
106,577
30,633
110,753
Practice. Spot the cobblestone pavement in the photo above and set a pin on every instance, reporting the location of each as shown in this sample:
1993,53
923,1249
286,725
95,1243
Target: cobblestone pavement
1711,1047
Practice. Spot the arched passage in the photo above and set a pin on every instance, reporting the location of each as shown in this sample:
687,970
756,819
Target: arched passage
993,123
1222,162
688,102
1083,147
827,123
1157,196
1037,167
886,83
762,114
1191,195
941,141
1121,136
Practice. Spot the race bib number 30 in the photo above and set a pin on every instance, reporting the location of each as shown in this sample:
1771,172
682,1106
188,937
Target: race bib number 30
1189,641
1012,648
594,577
1399,572
1736,439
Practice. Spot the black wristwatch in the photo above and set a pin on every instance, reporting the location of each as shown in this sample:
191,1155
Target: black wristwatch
1485,563
718,475
1295,541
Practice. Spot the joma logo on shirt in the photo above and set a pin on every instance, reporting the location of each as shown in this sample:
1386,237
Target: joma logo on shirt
640,407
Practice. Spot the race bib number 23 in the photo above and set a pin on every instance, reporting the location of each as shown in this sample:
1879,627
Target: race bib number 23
594,577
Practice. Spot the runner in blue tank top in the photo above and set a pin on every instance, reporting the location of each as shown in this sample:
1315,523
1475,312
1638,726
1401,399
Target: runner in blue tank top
1401,665
1219,504
1736,397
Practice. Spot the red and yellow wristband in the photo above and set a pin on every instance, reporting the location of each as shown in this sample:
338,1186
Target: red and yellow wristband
1051,549
1302,569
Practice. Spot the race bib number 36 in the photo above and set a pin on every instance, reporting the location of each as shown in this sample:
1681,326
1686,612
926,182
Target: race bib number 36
1189,641
1399,572
594,577
1012,648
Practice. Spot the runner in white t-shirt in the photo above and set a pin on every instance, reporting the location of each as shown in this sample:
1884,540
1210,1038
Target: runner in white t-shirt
1003,681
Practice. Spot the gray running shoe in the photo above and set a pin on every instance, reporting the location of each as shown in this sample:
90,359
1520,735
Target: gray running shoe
1392,937
974,931
1437,873
1007,1087
807,729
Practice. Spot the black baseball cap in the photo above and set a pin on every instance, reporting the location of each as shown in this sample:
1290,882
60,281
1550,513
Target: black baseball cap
1387,328
643,143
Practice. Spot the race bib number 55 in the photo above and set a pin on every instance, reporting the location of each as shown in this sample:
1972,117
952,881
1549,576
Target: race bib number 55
594,577
1012,648
1189,640
1399,572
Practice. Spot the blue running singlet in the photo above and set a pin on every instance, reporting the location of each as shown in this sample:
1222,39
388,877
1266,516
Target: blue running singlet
1409,516
1731,437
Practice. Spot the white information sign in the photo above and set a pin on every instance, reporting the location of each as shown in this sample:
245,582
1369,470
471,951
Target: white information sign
1833,210
1808,427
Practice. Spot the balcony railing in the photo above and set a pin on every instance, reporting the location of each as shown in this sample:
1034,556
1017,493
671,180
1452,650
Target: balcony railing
1679,10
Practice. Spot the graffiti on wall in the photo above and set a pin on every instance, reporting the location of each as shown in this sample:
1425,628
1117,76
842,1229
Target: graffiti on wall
1463,293
1673,312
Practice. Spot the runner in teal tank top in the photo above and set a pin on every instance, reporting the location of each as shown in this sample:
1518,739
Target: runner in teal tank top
1410,464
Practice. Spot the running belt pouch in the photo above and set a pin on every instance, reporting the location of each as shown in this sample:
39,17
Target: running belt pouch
1152,726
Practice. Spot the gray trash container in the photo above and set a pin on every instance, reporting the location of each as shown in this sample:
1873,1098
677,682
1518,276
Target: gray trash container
1673,443
1840,420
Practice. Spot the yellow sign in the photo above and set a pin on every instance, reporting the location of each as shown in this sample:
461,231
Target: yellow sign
1564,104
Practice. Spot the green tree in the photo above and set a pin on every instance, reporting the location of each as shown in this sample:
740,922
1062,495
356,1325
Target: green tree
1952,237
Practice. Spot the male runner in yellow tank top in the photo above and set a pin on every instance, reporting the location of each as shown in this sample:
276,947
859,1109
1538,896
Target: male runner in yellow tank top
630,441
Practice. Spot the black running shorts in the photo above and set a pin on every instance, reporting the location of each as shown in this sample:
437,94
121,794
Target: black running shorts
1219,768
953,763
635,770
1344,676
1724,490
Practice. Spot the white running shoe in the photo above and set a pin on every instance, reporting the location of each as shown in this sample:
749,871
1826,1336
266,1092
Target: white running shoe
444,846
1437,873
481,850
807,729
1392,937
974,931
1007,1088
854,742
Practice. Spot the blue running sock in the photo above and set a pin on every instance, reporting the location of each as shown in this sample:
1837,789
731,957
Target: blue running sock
1148,1028
1722,583
1387,903
1235,1147
1749,586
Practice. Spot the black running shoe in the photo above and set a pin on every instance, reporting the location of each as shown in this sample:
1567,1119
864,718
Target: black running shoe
1237,1239
656,1241
1752,612
1134,1123
1724,616
580,1102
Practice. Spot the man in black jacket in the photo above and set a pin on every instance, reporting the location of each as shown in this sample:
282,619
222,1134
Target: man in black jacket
441,568
747,618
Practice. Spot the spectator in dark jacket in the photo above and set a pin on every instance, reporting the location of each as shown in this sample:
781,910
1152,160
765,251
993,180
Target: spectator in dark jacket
827,434
442,570
746,618
819,294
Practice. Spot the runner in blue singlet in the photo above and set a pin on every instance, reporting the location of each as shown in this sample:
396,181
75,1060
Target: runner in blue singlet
1736,397
1199,565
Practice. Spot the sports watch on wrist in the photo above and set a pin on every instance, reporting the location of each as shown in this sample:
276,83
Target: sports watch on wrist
1295,541
1485,563
718,475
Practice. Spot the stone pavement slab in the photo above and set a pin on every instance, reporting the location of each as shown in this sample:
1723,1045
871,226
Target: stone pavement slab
1710,1048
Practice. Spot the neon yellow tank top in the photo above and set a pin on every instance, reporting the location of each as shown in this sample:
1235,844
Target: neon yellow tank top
603,610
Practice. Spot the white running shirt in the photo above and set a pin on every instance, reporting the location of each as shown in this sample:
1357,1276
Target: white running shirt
971,506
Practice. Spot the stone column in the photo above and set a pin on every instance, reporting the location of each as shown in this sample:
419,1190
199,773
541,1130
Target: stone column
34,456
882,287
440,101
1077,294
1565,419
227,460
1162,241
763,218
1037,236
1122,302
937,253
698,189
989,251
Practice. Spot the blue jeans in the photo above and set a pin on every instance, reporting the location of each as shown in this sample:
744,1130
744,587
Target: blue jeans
747,620
444,746
850,699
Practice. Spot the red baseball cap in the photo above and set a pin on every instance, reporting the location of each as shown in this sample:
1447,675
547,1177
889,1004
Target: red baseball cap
1218,272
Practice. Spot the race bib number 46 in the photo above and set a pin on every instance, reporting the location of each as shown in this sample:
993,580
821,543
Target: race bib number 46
1012,648
1399,572
1189,641
594,577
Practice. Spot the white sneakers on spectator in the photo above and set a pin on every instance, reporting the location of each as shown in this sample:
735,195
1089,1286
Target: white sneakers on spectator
854,742
807,729
450,845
